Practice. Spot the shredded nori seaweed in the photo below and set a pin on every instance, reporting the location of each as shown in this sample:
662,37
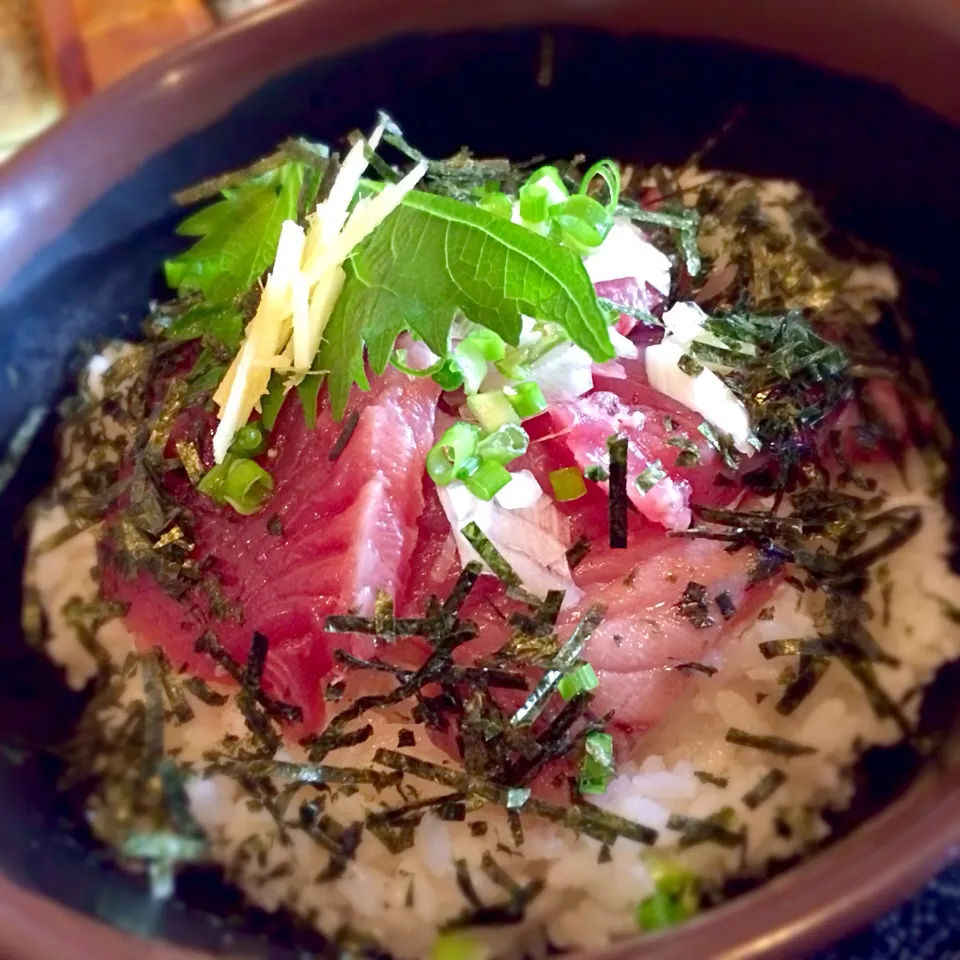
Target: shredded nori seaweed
565,658
340,444
779,746
617,450
209,644
768,784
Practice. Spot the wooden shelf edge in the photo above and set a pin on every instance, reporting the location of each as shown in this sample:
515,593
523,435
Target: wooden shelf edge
64,49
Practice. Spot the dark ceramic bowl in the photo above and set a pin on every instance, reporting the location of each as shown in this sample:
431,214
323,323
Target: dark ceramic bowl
86,216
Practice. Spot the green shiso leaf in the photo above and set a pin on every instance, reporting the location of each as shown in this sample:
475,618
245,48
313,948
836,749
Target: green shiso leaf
237,237
435,256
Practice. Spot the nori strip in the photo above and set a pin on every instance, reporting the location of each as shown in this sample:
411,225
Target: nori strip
465,883
256,661
492,557
20,443
452,811
402,626
208,189
568,654
809,672
765,787
695,667
383,618
181,709
578,552
349,425
257,721
396,837
209,644
880,701
704,776
305,772
695,830
725,604
414,807
192,464
779,746
497,874
489,676
406,738
275,525
617,448
516,827
584,817
692,606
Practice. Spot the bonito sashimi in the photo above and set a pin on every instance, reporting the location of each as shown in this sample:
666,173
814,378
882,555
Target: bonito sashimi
337,530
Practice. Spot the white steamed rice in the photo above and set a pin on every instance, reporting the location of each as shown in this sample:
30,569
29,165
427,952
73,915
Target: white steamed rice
403,900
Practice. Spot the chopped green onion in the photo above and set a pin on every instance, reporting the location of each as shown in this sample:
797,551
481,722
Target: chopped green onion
212,481
534,203
474,353
399,360
487,480
249,441
610,172
526,398
584,223
548,178
454,454
579,680
676,899
567,484
597,473
498,204
483,343
449,376
651,475
454,945
492,410
505,444
473,369
597,767
247,486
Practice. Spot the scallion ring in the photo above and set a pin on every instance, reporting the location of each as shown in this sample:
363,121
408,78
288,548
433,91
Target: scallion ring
247,486
487,480
506,443
454,453
610,172
249,441
584,223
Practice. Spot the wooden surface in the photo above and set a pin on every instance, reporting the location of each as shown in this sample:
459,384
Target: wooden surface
112,37
55,53
27,100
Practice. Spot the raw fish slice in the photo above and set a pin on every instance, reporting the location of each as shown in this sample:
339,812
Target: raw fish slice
348,528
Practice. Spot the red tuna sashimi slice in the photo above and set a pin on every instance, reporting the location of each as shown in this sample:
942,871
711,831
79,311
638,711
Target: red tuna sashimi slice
649,630
629,292
646,637
348,528
653,438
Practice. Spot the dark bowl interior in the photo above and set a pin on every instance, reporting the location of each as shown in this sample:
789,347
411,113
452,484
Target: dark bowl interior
882,168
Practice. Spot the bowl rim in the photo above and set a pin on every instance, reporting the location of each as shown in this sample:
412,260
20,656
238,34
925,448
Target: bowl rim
882,861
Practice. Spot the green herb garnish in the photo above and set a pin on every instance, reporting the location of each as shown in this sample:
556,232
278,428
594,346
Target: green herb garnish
650,476
435,256
677,897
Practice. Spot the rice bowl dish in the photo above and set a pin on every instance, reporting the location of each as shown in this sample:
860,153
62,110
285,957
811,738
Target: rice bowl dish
586,604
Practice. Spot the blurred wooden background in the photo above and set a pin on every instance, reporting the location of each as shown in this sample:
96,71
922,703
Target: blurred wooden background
54,53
